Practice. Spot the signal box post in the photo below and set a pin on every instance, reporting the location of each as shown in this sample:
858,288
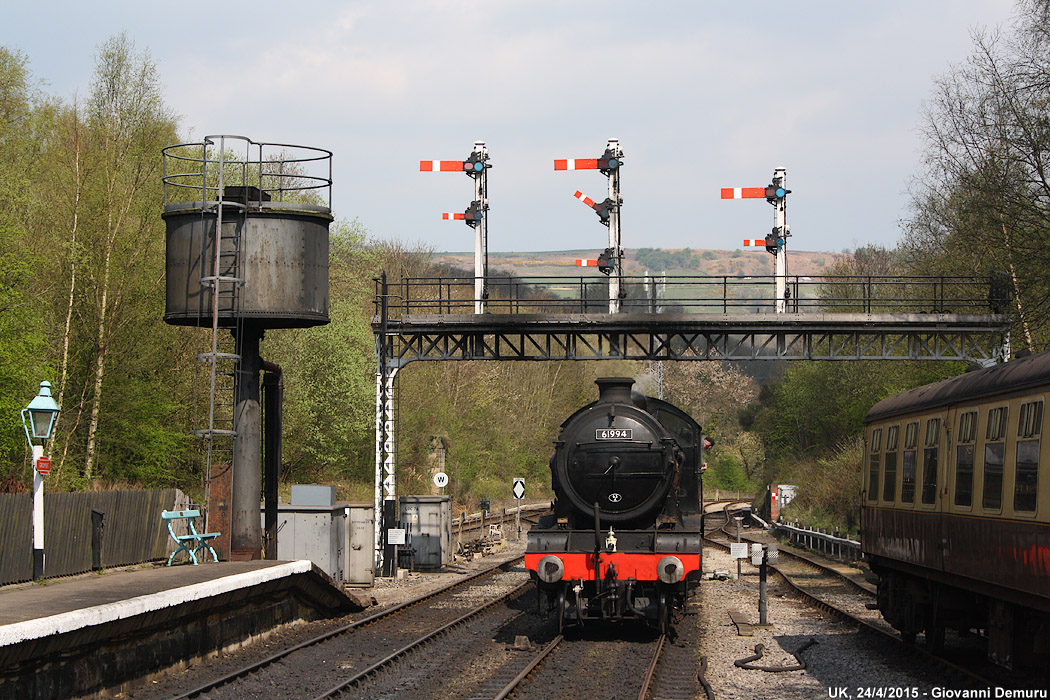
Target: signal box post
610,261
476,215
776,241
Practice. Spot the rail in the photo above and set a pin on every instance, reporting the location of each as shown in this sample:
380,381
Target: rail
699,294
818,540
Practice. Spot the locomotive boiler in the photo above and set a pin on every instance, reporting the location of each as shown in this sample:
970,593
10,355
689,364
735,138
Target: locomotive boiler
624,539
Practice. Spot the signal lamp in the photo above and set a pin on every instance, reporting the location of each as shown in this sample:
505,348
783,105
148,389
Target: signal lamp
774,193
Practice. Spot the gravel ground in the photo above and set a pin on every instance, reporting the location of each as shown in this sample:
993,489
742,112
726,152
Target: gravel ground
841,657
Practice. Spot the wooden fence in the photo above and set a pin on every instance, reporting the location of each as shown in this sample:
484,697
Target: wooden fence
132,530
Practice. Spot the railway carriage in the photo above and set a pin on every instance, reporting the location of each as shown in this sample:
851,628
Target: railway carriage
624,541
956,509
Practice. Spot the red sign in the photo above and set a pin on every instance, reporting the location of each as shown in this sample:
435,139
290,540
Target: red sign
43,465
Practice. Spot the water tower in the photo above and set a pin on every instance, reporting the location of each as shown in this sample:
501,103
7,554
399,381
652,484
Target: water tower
247,250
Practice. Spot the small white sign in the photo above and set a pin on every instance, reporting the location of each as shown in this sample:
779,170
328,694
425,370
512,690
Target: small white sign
441,480
738,550
519,489
756,554
395,536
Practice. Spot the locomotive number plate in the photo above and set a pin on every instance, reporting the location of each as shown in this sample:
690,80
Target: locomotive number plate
614,434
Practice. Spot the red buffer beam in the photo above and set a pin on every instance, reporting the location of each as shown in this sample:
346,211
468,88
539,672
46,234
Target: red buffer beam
576,164
444,166
743,193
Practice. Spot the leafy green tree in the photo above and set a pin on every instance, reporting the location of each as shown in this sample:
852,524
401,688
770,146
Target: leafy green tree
22,350
982,202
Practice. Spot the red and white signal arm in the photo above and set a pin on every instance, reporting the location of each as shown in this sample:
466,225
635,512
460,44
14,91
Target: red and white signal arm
43,465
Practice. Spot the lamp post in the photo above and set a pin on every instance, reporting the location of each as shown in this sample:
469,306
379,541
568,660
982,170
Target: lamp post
38,419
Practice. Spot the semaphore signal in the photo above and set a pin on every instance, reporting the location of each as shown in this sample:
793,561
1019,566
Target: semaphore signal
603,209
610,261
476,166
775,241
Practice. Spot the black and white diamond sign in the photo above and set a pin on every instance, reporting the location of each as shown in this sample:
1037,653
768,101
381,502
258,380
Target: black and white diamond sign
519,489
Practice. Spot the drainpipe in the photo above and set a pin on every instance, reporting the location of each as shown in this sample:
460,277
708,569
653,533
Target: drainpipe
273,399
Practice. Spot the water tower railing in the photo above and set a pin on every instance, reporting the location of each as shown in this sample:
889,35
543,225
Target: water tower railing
285,175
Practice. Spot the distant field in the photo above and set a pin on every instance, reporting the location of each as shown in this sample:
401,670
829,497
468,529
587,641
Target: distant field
739,265
734,263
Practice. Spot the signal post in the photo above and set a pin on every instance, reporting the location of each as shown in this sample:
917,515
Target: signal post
610,261
476,166
775,241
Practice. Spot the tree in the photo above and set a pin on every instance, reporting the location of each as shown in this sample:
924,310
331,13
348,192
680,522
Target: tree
22,356
982,202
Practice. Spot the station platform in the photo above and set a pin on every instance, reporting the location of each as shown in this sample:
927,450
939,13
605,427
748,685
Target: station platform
88,635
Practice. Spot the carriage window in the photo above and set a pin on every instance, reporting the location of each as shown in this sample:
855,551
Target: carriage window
929,461
964,459
994,451
968,427
996,429
1025,475
911,438
889,477
1030,420
873,468
993,476
1026,468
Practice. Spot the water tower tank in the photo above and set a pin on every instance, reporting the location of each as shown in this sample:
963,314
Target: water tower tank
272,206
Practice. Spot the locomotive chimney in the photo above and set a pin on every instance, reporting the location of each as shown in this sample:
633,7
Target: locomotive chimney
614,389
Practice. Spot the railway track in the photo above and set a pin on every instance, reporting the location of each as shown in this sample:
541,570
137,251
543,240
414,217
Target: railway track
356,682
829,589
644,667
432,613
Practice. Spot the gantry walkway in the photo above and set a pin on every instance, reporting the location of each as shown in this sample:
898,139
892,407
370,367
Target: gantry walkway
702,318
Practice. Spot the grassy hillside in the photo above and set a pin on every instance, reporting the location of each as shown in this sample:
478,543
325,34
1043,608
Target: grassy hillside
638,261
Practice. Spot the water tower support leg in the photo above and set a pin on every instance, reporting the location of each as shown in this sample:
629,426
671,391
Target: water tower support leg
246,528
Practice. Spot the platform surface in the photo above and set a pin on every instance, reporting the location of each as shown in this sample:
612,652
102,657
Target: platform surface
65,603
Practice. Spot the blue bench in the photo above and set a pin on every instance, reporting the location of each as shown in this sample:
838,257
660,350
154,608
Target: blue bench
193,542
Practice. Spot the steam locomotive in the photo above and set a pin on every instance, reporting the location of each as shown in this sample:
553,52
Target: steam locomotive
624,539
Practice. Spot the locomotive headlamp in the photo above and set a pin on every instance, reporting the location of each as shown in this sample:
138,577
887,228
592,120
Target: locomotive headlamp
670,570
551,568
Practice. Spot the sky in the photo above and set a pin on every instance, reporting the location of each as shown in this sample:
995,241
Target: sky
701,95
